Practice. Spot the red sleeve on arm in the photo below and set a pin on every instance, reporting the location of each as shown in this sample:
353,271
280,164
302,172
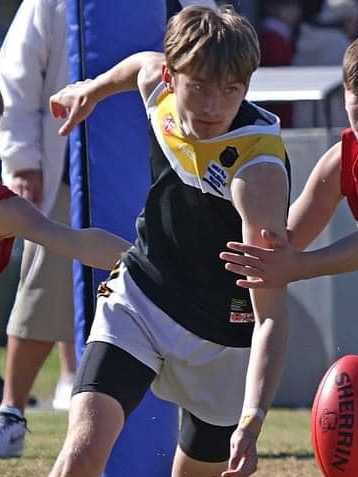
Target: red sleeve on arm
349,170
7,243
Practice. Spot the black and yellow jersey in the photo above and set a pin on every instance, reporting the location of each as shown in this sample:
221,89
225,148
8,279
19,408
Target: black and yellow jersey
188,218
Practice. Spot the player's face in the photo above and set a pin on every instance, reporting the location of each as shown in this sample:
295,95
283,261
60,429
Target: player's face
207,108
351,103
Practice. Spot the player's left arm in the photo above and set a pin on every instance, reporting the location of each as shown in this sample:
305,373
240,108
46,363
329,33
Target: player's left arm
282,262
260,195
92,246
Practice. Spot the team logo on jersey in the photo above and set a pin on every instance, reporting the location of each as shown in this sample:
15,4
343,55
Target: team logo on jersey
229,156
216,177
168,124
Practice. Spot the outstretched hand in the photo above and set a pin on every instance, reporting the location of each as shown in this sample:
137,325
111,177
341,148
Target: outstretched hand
74,102
264,267
243,455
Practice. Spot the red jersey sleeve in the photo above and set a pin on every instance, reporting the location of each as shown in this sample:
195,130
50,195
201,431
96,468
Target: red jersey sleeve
349,170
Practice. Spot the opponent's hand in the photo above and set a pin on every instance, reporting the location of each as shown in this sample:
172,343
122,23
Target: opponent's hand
29,185
74,102
243,454
264,267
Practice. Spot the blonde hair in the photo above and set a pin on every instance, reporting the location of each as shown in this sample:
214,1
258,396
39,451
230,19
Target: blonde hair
350,68
218,43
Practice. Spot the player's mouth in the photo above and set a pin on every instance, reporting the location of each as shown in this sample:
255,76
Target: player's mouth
209,123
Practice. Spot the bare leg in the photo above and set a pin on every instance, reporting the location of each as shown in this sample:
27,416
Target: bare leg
23,361
185,466
95,420
66,352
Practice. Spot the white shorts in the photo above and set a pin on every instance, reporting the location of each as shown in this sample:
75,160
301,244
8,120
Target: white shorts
205,378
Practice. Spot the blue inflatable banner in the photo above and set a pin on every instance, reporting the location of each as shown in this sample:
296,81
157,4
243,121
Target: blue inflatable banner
109,170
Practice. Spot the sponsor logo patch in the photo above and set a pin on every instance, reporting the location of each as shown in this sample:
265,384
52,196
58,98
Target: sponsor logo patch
240,311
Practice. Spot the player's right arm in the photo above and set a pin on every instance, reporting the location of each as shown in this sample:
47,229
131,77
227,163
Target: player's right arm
76,101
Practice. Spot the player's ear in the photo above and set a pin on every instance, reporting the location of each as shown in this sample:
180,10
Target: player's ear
167,78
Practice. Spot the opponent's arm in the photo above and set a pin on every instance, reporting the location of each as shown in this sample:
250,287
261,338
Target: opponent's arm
281,263
76,101
274,267
260,195
314,207
93,246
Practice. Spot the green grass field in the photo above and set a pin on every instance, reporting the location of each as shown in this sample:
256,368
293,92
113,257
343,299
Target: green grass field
284,445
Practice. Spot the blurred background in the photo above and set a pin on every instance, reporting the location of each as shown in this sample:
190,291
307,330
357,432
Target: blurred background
252,8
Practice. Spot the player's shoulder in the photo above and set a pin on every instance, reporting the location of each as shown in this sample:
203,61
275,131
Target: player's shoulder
150,74
332,157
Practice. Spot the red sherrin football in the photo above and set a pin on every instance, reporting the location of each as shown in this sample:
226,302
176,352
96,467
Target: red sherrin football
334,419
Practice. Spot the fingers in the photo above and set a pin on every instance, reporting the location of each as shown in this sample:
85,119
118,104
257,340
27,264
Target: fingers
57,109
31,195
244,265
68,126
243,459
247,466
254,284
72,102
239,259
244,248
244,269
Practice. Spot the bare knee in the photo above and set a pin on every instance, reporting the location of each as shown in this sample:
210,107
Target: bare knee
84,453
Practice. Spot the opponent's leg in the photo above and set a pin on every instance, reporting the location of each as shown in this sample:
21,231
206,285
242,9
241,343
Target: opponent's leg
24,360
203,448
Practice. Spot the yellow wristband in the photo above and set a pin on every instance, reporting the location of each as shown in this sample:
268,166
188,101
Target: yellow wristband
252,423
